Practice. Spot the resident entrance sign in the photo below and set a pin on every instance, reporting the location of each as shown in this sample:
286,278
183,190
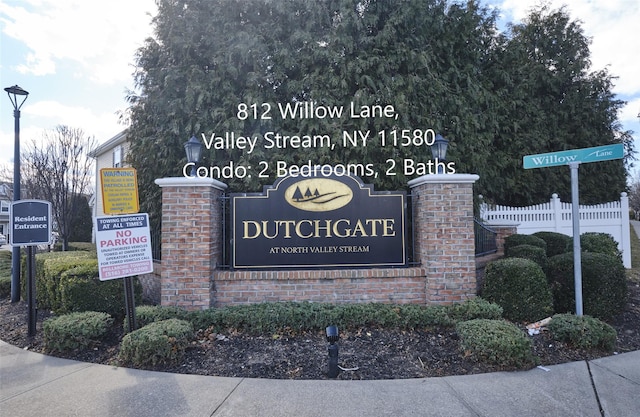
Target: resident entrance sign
318,219
30,223
584,155
124,246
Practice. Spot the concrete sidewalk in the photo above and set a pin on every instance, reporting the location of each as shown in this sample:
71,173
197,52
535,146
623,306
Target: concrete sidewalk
32,384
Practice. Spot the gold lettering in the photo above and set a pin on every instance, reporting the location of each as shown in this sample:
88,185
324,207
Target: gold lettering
246,224
388,227
299,232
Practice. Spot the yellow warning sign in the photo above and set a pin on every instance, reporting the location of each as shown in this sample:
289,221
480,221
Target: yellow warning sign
119,190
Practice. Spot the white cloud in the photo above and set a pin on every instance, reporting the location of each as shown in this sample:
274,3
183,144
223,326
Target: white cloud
630,113
98,36
46,115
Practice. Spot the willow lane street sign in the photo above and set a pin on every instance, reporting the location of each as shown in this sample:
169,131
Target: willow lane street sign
584,155
573,159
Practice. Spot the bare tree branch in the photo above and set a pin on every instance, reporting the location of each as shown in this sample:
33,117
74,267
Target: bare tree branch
58,169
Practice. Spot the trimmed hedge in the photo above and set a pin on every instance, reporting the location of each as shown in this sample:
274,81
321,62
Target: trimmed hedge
557,243
496,342
519,239
520,287
161,342
75,330
583,331
597,243
305,316
531,252
150,314
604,284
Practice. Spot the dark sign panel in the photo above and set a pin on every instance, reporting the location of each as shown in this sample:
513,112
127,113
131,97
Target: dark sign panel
313,221
30,223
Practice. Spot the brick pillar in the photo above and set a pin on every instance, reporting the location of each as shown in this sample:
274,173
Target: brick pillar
191,244
444,235
503,229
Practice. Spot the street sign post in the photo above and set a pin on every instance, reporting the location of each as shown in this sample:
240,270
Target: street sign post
573,158
30,226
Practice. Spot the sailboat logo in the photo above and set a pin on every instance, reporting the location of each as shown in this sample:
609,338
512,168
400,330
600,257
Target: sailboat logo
318,194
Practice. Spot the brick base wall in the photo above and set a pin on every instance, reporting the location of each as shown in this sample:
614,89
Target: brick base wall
398,286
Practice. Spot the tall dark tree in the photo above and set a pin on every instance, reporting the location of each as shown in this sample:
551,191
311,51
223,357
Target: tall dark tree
548,100
217,66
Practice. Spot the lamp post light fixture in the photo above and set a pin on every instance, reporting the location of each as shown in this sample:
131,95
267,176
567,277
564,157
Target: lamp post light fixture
193,148
15,93
332,338
439,152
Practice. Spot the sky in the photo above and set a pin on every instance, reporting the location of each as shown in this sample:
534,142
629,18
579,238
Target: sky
76,59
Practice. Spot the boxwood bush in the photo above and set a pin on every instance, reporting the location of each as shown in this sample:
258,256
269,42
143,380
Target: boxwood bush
557,243
161,342
147,314
531,252
80,289
496,342
604,284
583,331
75,331
597,243
520,287
520,239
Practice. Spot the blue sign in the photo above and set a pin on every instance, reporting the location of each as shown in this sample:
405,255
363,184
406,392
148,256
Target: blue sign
30,223
318,220
584,155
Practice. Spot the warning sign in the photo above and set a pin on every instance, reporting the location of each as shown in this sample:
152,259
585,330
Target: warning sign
124,246
119,190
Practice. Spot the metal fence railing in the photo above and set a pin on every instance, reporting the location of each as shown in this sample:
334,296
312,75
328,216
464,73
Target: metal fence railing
485,239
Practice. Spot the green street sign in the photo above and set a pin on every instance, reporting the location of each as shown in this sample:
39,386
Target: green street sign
584,155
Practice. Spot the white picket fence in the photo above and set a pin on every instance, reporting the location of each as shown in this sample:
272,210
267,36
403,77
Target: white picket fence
556,216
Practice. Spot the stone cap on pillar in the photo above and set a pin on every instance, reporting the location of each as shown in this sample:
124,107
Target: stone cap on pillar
444,179
191,182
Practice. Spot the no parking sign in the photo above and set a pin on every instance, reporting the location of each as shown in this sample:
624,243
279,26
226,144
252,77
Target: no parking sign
123,244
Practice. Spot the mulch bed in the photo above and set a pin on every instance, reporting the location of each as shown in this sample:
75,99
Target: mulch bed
366,353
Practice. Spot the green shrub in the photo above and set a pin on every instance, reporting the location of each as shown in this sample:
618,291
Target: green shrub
476,308
80,289
520,287
149,314
76,246
533,253
5,264
496,342
519,239
604,284
49,268
583,331
556,242
5,287
161,342
274,317
598,243
75,330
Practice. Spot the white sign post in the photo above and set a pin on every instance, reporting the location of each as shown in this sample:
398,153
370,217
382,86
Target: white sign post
124,246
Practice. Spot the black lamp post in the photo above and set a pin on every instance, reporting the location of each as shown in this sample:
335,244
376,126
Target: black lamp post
439,152
14,93
193,148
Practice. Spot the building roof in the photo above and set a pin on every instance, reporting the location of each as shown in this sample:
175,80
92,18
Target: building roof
109,144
